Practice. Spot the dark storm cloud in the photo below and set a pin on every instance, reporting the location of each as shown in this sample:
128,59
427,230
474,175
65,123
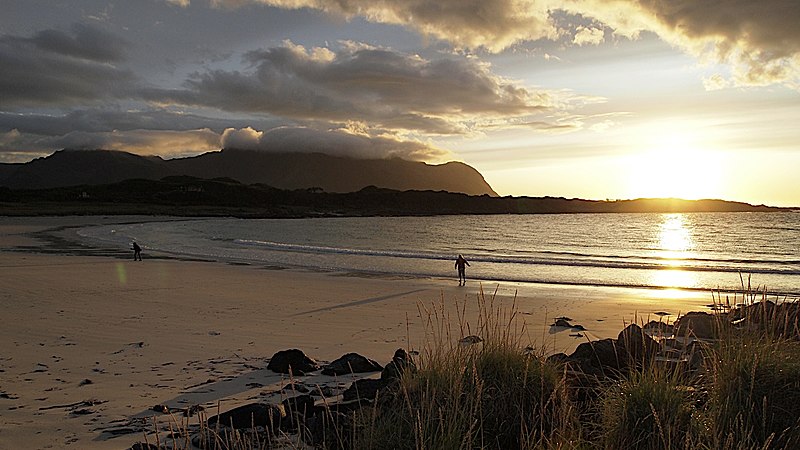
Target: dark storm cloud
762,38
84,41
382,87
55,68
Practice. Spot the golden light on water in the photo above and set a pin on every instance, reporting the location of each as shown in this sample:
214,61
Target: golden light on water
675,246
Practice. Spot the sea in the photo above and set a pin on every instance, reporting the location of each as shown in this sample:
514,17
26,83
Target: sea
688,251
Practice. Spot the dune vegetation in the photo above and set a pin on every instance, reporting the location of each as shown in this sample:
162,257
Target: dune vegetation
479,386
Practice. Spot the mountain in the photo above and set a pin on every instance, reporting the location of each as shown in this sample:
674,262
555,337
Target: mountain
71,168
280,170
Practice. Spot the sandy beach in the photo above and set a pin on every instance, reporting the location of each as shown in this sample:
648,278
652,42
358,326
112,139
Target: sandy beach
92,341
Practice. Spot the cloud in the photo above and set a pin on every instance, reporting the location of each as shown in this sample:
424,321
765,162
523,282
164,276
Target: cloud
166,143
84,41
382,87
588,36
332,142
759,40
55,68
491,24
108,119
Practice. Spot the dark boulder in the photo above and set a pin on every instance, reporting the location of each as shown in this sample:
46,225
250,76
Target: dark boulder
297,409
557,358
598,357
639,347
657,326
400,363
365,388
247,416
329,430
301,404
351,363
292,361
698,324
144,446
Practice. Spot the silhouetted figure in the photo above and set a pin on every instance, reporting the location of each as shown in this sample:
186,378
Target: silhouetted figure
137,252
461,265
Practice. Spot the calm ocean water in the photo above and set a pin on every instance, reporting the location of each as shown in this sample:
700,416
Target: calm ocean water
690,251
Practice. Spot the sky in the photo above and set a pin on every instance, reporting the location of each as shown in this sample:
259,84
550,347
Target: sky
596,99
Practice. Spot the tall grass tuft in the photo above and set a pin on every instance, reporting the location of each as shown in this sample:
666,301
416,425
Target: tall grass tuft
489,395
649,410
755,393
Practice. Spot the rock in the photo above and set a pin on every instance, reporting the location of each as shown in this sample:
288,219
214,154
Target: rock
470,340
324,391
698,324
400,363
301,404
298,409
557,358
596,357
143,446
562,323
247,416
296,387
351,363
640,347
292,361
656,326
365,388
328,429
164,409
192,410
85,381
203,440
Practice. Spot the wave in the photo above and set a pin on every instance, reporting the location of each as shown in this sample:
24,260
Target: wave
575,260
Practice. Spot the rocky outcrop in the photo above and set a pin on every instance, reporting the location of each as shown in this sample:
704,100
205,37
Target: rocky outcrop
293,362
247,416
697,324
351,363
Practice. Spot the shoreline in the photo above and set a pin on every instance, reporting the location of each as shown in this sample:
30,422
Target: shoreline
177,332
59,240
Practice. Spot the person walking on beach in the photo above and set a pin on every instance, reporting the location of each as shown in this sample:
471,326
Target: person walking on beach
137,252
461,264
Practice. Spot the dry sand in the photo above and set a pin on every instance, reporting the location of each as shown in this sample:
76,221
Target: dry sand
91,343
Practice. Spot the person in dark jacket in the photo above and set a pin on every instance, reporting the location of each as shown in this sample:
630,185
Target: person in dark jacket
137,252
461,265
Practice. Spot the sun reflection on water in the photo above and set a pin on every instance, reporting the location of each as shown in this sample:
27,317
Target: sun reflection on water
675,247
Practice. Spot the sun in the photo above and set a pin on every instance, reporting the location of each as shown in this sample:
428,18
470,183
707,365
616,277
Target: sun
675,168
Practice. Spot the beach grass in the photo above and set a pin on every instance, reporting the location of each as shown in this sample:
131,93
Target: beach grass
477,385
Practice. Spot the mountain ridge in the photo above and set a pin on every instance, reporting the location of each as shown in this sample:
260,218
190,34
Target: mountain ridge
281,170
188,196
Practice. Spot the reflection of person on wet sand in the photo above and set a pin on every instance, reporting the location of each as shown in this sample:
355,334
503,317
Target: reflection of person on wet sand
461,264
137,252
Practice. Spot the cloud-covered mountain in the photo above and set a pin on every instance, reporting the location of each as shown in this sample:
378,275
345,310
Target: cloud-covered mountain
280,170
